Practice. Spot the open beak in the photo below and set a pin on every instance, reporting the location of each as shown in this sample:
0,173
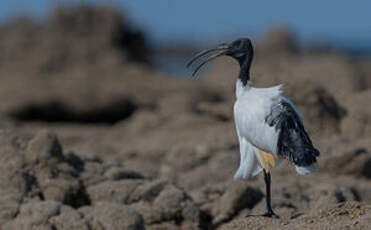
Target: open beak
210,54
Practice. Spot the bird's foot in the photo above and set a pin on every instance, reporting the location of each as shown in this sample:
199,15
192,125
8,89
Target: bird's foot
268,213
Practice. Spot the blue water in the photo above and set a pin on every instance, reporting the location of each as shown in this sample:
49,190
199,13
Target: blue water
340,23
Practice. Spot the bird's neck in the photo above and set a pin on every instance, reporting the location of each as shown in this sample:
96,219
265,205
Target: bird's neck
242,89
243,82
245,64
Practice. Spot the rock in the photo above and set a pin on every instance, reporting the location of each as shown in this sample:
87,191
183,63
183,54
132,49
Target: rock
220,111
14,182
148,191
318,107
358,122
118,173
9,206
328,194
47,215
349,158
188,101
278,40
366,168
48,187
36,215
191,212
12,161
44,147
93,173
170,201
159,201
168,226
55,177
343,215
207,167
69,219
111,216
236,197
113,191
151,214
93,36
191,158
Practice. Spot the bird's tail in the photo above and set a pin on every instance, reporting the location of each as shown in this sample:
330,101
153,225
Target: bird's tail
304,170
307,163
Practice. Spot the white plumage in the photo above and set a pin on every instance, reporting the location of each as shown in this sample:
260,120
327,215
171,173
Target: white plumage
251,108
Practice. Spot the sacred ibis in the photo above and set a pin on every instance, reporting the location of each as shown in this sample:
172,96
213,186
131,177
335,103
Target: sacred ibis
268,125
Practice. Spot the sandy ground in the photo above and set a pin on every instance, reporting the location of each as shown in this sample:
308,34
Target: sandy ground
93,138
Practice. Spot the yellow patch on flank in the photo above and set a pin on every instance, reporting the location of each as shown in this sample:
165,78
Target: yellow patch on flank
268,160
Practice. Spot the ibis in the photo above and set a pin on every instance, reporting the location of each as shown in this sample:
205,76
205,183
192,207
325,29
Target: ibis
268,125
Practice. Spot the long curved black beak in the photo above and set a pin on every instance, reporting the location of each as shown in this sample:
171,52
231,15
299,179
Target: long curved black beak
210,54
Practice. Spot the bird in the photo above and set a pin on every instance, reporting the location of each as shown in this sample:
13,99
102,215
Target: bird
268,125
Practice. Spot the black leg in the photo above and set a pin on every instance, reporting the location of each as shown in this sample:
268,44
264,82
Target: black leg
267,179
269,212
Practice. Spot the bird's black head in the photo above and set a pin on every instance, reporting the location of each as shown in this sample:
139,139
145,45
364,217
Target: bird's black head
240,49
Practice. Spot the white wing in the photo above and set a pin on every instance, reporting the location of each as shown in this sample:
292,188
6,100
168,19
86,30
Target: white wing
249,165
250,109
